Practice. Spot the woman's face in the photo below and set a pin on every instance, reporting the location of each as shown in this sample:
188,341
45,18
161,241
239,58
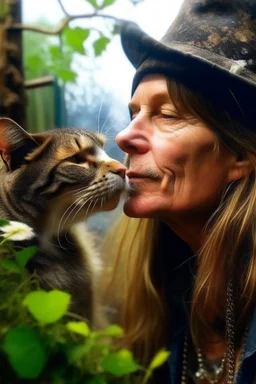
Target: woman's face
175,167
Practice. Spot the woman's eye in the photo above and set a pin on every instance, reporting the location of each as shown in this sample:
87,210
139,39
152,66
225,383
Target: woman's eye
134,115
167,116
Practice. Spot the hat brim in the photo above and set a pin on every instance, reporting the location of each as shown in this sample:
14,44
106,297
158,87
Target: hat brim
237,95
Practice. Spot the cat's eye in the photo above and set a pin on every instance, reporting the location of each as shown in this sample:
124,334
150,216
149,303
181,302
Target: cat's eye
76,158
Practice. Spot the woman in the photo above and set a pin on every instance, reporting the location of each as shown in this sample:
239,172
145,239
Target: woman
186,253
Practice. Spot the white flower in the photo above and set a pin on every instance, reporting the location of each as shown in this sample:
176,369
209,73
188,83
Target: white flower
17,231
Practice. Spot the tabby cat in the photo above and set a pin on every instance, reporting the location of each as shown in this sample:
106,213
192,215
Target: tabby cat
52,181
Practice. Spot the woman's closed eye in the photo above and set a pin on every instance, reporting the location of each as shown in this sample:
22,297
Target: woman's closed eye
167,115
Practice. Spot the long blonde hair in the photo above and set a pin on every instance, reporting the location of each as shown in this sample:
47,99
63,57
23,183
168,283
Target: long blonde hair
133,246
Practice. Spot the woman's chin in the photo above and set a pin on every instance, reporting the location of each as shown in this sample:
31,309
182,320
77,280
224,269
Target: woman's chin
112,203
133,207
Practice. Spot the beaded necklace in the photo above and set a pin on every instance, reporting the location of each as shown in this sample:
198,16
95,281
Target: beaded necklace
214,372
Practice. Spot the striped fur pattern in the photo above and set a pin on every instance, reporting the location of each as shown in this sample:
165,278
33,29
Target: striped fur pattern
53,181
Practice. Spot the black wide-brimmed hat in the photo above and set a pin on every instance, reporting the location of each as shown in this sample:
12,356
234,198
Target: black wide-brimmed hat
210,47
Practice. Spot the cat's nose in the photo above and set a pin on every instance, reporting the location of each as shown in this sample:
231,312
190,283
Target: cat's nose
117,168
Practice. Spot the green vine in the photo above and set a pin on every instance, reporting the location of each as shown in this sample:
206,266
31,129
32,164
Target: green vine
41,341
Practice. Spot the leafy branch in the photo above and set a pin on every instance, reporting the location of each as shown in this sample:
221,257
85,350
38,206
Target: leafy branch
50,49
68,18
64,23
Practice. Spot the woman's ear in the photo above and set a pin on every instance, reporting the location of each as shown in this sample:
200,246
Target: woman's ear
240,169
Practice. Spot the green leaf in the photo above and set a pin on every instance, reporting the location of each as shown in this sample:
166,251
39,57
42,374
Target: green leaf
76,353
75,37
79,327
47,307
55,53
93,3
116,29
107,3
100,45
120,363
25,352
65,74
159,359
35,65
111,331
4,222
23,256
10,266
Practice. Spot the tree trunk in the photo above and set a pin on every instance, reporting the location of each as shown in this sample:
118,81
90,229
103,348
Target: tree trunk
12,95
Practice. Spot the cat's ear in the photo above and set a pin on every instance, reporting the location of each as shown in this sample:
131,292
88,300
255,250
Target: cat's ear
15,143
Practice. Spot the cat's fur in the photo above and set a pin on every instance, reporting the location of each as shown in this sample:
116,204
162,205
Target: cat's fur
52,181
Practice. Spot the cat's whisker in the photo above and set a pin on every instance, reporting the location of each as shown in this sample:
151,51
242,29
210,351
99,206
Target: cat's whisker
60,224
79,208
103,198
70,207
108,116
98,127
109,129
75,191
87,189
68,212
95,203
73,206
88,208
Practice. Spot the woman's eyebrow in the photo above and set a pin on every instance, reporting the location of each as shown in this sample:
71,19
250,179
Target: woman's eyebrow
157,98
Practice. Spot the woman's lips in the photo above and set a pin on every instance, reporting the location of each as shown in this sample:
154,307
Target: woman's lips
135,175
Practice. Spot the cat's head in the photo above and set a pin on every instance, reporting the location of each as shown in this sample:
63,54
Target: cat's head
57,177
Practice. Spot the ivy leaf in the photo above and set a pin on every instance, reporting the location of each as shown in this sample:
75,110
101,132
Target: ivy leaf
65,74
107,3
100,44
159,359
25,352
23,256
55,53
47,307
116,29
10,265
4,222
120,363
76,353
79,327
93,3
111,331
75,37
35,64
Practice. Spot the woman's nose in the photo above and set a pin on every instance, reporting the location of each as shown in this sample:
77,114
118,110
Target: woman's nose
132,141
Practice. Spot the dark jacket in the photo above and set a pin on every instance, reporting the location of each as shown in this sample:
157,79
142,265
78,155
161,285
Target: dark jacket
247,372
181,267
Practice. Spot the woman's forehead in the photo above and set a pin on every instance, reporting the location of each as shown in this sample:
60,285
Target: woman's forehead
151,87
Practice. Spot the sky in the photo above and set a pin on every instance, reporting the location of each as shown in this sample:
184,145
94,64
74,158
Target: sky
112,69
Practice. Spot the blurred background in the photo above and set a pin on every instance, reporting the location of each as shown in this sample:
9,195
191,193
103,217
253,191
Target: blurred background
74,73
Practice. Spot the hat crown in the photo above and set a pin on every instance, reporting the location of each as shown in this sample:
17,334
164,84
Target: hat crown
222,27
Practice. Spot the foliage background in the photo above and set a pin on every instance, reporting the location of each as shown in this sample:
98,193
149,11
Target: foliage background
41,341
